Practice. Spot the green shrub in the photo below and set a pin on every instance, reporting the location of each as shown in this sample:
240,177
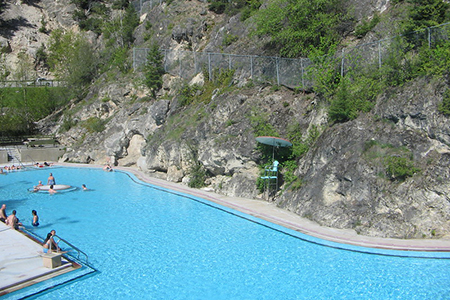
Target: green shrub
41,55
218,6
295,27
188,93
444,106
399,168
289,168
67,123
260,124
198,176
43,28
94,124
366,26
229,39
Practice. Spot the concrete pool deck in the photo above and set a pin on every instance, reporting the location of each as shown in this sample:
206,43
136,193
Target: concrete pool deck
21,261
21,257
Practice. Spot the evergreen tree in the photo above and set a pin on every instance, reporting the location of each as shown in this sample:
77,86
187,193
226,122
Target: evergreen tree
154,70
342,108
426,13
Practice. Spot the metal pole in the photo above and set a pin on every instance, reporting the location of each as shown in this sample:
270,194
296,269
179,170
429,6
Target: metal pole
134,58
303,79
251,66
195,62
165,60
179,64
429,37
278,71
209,66
379,54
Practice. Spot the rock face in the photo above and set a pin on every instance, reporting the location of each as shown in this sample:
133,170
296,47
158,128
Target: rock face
344,183
25,27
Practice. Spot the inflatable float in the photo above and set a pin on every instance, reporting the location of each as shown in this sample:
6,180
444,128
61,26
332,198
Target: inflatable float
56,187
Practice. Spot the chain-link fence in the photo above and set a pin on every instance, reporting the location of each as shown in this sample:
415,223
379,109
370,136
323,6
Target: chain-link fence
29,83
145,5
299,73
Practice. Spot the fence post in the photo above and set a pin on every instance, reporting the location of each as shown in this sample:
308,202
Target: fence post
209,66
379,54
429,37
195,62
134,59
251,66
303,79
278,71
165,60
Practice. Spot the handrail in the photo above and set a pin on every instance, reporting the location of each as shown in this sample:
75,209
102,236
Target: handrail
17,158
32,160
37,237
74,248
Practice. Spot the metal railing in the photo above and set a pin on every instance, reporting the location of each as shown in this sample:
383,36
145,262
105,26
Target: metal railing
140,5
77,250
80,256
31,83
299,73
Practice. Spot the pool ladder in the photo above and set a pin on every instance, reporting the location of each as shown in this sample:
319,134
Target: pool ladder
79,252
78,257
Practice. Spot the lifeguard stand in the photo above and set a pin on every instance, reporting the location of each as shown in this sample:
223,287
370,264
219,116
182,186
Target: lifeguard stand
270,178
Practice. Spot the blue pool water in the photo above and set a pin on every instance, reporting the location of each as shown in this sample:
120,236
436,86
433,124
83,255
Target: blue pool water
148,243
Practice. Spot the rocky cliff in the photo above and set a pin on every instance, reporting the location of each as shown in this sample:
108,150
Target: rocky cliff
344,183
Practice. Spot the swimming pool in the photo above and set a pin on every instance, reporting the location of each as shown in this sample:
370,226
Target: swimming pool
148,243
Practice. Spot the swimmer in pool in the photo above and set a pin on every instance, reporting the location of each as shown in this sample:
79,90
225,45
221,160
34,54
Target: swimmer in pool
35,221
51,180
36,187
84,187
51,190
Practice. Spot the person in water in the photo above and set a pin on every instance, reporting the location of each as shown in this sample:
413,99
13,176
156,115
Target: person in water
51,180
35,221
51,190
84,187
37,187
49,243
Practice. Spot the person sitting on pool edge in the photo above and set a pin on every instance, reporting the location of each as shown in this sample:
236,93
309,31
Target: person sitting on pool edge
49,243
13,221
51,180
3,215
